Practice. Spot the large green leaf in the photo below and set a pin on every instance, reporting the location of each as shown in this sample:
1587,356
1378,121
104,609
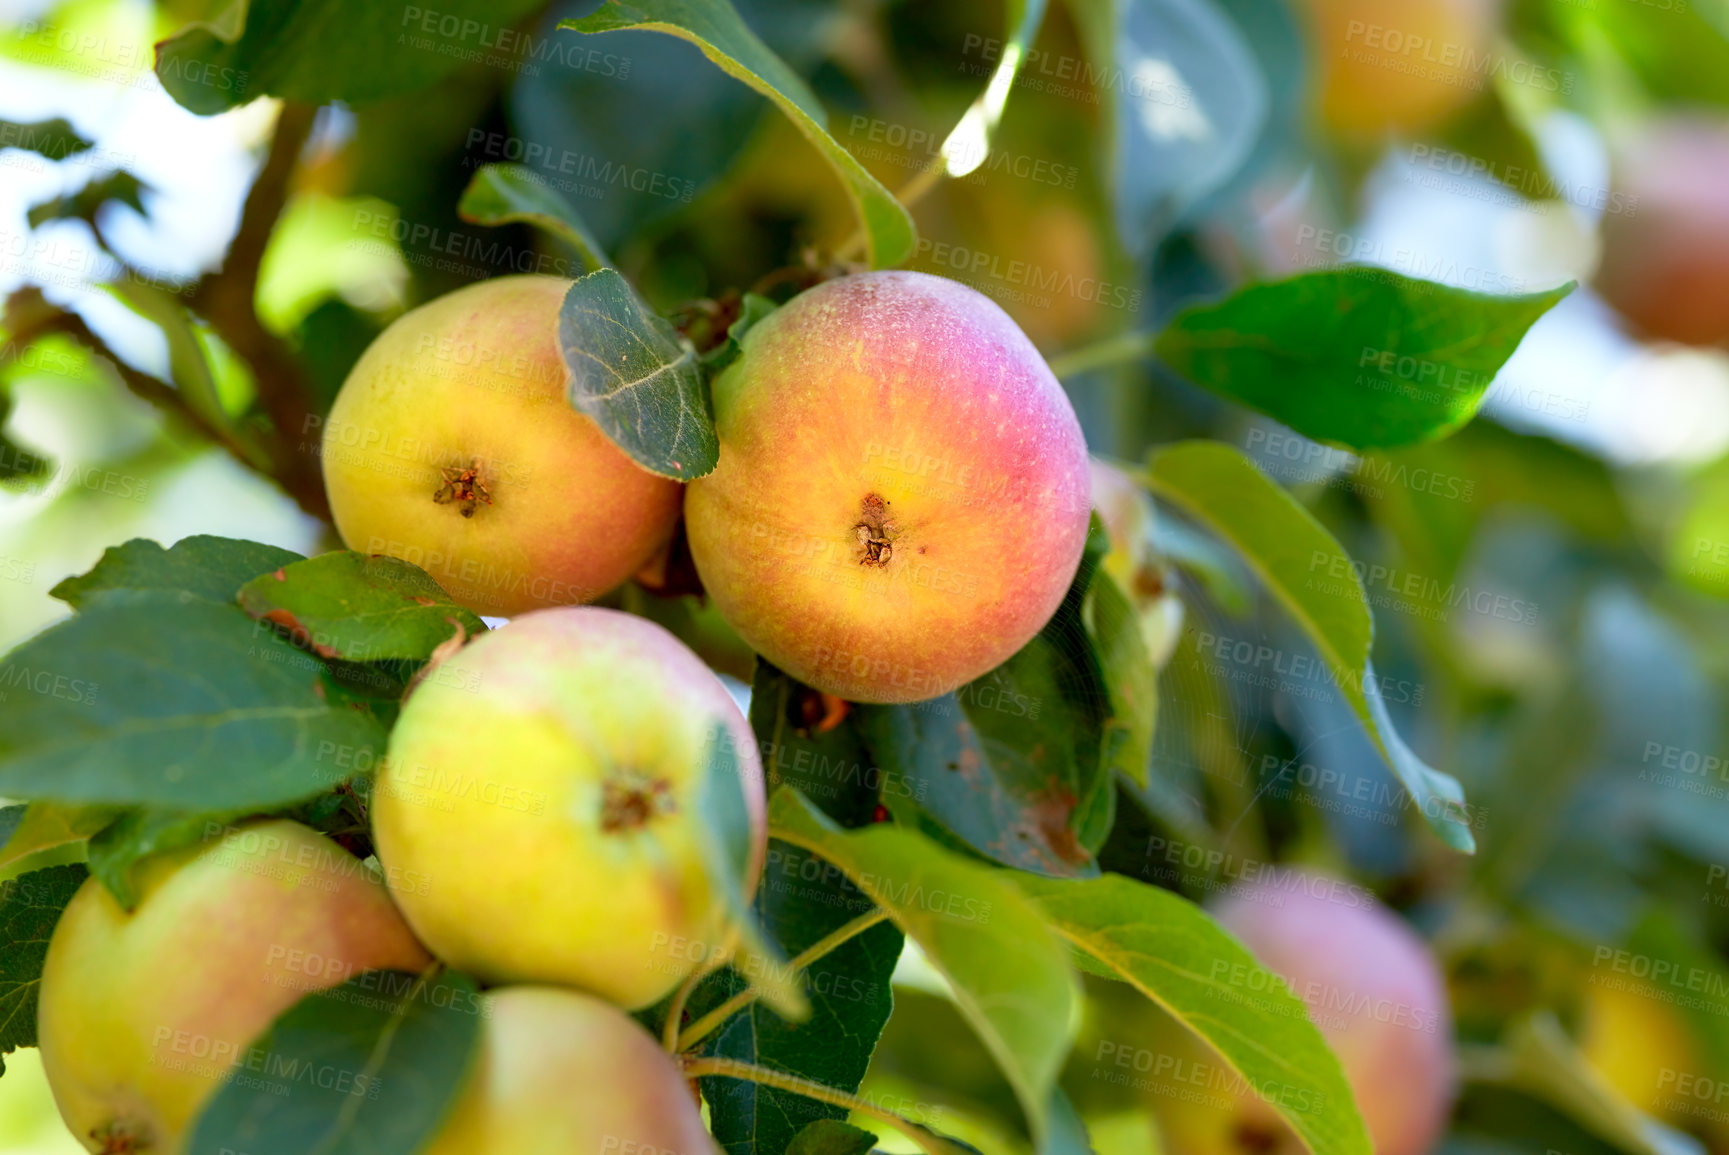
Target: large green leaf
30,905
367,1068
211,567
41,826
318,51
828,1137
501,194
55,139
637,378
1010,974
1308,573
1359,356
151,697
801,900
1173,953
142,832
715,27
822,757
359,608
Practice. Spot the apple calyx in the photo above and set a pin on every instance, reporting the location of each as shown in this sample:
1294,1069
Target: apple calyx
464,487
632,799
875,532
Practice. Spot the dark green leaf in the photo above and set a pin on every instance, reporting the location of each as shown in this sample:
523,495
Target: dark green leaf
822,758
1130,678
1305,570
1172,952
1013,762
714,26
318,51
1363,357
359,608
139,833
16,462
156,698
55,139
831,1137
1011,976
87,203
213,568
726,836
367,1068
801,900
30,905
500,194
633,374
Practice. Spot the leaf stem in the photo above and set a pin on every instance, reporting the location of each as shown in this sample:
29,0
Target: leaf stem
1115,350
669,1034
909,194
927,1141
822,946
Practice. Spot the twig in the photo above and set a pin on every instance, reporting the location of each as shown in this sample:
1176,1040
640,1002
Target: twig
927,1141
1111,351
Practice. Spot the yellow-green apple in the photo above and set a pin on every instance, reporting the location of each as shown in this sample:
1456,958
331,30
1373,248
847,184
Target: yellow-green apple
1128,515
1399,66
1372,988
143,1014
901,500
547,792
558,1071
452,445
1665,263
1640,1045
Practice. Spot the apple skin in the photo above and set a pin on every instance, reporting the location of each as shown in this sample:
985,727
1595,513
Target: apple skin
142,1014
558,1070
896,408
1371,79
1665,263
1375,992
544,785
475,377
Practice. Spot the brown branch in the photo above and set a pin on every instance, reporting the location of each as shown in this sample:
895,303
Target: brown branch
29,316
227,297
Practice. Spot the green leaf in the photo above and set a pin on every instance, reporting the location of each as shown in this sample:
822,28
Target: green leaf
637,378
726,843
715,27
1130,678
1172,952
367,1068
831,1137
188,368
752,309
501,194
213,568
1309,574
138,834
359,608
802,899
30,905
87,203
1359,356
318,51
1012,763
155,698
44,825
968,145
55,139
1011,977
823,759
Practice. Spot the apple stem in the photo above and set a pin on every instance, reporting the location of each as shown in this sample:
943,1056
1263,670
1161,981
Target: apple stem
1111,351
822,946
928,1142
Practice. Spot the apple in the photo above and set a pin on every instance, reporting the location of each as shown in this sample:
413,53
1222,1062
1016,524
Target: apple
1372,988
901,500
452,446
562,1071
1128,515
143,1013
1399,66
545,787
1665,263
1632,1038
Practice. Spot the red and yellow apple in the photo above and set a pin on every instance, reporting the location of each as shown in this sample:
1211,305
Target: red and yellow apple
142,1014
1665,263
563,1071
901,500
452,445
543,792
1399,66
1376,994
